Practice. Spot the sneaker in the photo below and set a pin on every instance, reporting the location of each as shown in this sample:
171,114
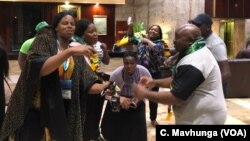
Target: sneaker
154,123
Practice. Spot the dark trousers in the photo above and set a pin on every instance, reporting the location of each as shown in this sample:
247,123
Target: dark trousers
94,112
225,88
126,125
153,106
93,116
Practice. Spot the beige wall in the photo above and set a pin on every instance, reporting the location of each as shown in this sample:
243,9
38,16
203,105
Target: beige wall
122,12
169,14
247,28
239,39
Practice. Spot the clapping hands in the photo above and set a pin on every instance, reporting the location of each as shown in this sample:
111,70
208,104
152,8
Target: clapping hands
141,89
147,82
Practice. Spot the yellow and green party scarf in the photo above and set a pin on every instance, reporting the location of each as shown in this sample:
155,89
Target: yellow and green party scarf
198,44
66,69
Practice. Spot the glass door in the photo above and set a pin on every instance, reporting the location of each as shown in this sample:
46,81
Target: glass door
227,34
24,19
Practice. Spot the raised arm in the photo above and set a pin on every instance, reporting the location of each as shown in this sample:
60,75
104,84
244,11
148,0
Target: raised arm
52,63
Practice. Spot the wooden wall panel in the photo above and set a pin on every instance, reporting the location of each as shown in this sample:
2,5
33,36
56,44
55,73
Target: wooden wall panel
88,11
121,30
227,8
236,9
49,11
247,9
209,7
221,8
5,24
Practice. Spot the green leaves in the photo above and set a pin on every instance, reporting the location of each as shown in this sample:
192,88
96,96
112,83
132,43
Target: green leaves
138,26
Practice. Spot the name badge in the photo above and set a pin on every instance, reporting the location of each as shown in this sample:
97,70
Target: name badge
66,94
66,88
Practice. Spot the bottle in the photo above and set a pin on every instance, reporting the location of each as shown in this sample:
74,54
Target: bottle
115,99
112,88
94,62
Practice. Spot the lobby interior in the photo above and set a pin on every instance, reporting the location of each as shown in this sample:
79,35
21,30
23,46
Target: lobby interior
238,108
167,13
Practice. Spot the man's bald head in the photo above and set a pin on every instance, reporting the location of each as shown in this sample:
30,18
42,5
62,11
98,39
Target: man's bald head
191,31
185,36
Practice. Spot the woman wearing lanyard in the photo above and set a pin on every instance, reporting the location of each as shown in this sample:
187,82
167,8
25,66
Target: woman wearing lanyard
55,72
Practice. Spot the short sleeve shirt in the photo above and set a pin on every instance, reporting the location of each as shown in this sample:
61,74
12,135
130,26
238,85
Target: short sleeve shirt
217,46
26,45
117,76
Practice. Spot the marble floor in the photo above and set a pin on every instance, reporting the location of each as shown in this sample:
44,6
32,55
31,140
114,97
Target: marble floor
238,108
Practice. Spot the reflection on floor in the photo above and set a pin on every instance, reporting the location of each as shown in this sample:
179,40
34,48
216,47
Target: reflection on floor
238,109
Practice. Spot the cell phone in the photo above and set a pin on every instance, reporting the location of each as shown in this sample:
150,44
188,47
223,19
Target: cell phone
133,105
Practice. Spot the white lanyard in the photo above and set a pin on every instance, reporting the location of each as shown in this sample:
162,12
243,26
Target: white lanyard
66,62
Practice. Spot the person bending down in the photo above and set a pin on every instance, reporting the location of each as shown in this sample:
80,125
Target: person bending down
129,124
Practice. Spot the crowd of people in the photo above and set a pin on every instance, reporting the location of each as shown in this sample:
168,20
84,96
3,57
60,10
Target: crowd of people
65,99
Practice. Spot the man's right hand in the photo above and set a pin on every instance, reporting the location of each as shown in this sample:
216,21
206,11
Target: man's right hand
140,91
147,82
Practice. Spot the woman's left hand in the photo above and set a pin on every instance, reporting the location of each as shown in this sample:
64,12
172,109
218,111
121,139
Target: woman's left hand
104,47
125,102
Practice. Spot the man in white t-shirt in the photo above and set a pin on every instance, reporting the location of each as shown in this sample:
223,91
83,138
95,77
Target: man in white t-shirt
195,89
215,44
